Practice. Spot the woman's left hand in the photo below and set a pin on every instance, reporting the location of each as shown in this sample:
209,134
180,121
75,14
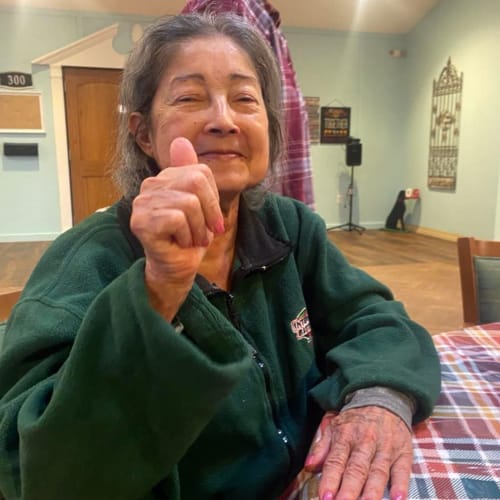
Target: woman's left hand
359,452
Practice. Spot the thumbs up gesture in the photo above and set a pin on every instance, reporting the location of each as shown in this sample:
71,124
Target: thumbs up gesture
175,217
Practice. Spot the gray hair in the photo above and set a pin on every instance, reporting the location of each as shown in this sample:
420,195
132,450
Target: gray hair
148,62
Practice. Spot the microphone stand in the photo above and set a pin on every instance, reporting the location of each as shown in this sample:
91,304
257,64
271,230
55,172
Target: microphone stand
350,226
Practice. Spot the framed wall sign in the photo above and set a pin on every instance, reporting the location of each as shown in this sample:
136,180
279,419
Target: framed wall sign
335,125
312,106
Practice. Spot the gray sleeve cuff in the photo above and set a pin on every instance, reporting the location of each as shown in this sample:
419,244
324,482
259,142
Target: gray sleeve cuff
400,404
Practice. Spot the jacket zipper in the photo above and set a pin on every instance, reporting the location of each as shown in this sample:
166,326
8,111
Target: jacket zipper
265,370
257,358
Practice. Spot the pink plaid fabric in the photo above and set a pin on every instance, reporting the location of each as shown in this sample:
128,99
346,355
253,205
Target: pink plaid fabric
456,450
294,175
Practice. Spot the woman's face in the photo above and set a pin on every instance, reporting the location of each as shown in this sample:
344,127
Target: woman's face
211,95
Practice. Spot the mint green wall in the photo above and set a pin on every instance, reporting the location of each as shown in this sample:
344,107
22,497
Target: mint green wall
355,70
28,187
389,97
29,197
496,231
468,31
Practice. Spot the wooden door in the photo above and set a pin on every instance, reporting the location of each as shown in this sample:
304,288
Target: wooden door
91,99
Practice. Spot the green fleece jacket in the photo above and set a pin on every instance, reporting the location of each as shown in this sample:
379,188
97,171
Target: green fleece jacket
102,399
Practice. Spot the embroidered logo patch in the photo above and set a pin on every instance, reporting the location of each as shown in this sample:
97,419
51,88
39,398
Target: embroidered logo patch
301,327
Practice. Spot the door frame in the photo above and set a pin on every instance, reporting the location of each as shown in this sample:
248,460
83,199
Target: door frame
93,51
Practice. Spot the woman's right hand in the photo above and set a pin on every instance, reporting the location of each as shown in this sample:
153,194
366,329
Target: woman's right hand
175,217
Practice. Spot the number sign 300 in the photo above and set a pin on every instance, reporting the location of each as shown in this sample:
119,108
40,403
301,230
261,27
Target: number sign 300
16,79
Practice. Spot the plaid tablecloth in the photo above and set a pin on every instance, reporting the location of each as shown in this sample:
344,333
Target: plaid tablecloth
456,450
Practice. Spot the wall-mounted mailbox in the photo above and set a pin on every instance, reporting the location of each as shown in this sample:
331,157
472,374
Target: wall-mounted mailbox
20,149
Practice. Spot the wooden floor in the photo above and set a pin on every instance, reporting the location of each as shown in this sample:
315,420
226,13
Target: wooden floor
422,271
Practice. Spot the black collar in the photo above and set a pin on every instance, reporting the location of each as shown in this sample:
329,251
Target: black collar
256,248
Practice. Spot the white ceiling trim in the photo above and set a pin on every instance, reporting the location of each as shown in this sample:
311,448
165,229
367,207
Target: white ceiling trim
75,48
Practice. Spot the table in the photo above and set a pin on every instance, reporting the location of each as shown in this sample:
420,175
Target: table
457,449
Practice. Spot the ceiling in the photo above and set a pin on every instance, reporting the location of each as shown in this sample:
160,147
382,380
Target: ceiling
377,16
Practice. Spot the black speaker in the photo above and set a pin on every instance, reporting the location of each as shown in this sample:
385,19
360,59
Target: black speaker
353,153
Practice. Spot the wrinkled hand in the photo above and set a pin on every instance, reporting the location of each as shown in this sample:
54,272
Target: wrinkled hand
175,217
359,452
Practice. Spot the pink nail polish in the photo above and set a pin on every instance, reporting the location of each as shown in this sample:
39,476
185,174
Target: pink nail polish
397,496
327,496
309,460
219,226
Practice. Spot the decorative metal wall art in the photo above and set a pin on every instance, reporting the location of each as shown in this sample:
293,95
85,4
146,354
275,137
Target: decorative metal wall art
445,128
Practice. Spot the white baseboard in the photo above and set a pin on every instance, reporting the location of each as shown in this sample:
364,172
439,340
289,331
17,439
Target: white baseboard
14,238
425,231
433,233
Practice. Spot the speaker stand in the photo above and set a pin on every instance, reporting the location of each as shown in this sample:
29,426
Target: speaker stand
350,226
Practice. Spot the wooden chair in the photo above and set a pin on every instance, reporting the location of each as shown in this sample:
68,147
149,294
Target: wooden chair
8,300
479,264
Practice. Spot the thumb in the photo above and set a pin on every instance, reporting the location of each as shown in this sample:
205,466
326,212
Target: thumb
182,153
321,444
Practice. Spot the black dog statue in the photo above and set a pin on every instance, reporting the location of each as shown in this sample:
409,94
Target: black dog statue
397,213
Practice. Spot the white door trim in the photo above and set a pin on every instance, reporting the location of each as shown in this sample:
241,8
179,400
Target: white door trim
93,51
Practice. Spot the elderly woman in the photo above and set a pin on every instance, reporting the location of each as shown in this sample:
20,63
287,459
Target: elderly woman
189,341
